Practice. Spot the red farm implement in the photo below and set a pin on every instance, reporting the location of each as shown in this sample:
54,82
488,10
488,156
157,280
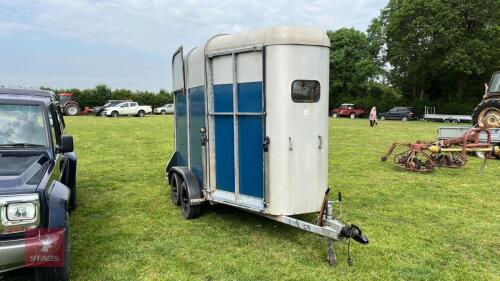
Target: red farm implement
451,153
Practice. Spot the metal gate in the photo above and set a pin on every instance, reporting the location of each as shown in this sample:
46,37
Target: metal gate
236,114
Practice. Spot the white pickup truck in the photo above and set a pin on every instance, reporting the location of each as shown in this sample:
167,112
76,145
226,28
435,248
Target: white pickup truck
127,108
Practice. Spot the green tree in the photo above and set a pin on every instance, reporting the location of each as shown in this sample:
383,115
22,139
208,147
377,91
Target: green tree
438,50
351,65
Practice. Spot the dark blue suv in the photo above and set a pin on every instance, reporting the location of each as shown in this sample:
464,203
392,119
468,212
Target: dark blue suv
37,184
399,113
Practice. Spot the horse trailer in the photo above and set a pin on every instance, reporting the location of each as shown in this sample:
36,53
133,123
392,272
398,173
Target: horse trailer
251,128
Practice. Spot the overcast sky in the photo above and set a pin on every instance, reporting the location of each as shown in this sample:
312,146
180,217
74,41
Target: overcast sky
128,43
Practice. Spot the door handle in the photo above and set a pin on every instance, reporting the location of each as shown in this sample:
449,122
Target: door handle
290,143
320,142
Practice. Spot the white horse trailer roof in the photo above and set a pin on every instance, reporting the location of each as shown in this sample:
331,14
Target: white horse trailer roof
281,35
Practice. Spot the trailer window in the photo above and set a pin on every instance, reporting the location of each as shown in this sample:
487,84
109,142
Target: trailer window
305,91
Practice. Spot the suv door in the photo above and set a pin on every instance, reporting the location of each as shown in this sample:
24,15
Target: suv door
125,108
405,112
170,108
133,109
392,114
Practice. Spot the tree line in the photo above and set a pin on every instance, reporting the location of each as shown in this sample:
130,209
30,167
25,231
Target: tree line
100,94
416,53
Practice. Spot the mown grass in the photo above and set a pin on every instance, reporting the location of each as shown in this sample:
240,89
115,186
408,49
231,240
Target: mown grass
440,226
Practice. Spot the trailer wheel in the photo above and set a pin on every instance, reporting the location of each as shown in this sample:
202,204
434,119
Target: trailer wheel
188,211
174,188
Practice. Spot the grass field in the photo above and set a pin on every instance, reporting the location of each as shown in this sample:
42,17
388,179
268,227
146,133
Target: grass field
440,226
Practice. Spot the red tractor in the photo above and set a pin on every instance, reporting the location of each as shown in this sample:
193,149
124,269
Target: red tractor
68,105
487,112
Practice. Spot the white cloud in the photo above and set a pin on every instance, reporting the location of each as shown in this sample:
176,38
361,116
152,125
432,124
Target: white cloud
159,26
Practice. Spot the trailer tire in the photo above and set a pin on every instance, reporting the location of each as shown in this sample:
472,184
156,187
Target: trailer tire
175,184
189,211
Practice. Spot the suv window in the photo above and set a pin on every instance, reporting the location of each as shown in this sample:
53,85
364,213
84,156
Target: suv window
55,126
60,118
124,105
305,91
22,124
133,104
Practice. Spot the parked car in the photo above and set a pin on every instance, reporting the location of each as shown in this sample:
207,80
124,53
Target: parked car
399,113
127,108
166,109
99,110
37,184
348,109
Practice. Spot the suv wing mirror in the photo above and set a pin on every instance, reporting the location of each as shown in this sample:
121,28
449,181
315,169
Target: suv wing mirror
66,144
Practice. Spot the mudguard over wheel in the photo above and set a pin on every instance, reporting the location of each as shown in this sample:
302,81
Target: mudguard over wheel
189,211
58,273
189,191
487,113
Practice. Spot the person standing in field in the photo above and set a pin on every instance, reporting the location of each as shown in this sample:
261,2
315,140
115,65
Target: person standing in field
373,116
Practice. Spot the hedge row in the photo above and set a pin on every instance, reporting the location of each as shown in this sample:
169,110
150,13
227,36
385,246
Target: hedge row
101,93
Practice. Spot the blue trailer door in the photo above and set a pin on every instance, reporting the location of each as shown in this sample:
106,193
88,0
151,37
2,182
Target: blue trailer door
196,97
239,125
181,128
250,139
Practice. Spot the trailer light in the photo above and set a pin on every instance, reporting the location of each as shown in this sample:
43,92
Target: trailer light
21,211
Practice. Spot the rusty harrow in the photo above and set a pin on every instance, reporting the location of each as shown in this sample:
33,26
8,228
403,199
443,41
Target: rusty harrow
452,153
